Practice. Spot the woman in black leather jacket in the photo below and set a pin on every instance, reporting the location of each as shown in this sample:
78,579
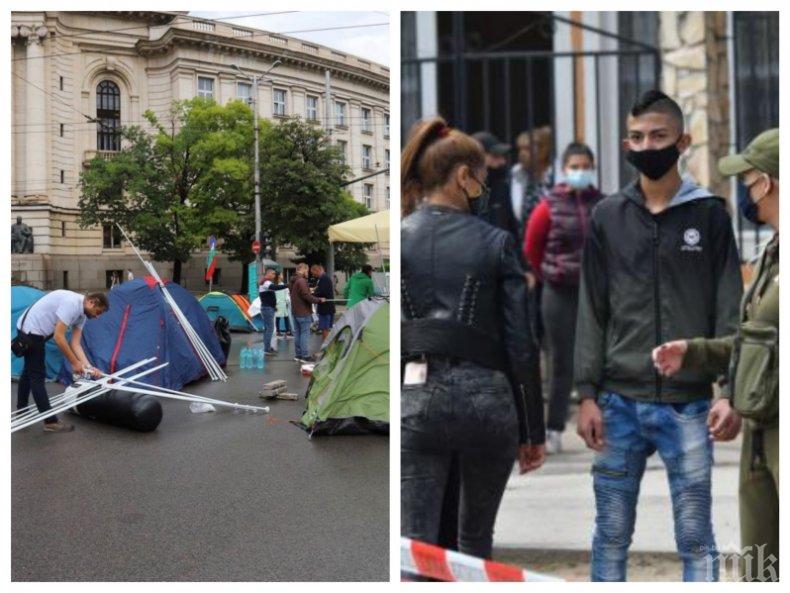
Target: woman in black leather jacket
471,385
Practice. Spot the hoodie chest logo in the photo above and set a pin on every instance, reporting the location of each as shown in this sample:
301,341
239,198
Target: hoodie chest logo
691,239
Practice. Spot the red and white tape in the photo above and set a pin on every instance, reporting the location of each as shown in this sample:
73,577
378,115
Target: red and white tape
419,558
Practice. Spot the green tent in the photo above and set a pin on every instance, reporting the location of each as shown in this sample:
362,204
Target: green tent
349,390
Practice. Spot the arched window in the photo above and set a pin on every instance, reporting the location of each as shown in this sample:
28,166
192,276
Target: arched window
108,113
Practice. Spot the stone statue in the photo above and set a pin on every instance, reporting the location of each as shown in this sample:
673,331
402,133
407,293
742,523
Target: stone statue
21,237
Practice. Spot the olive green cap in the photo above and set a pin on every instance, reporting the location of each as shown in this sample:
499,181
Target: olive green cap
762,153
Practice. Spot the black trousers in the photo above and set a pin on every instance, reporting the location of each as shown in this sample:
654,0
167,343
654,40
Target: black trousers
559,320
34,374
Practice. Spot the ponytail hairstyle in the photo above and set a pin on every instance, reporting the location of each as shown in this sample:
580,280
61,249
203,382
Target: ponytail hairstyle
432,153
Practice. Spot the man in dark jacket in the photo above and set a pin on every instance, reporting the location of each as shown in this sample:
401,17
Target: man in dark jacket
660,261
495,208
324,288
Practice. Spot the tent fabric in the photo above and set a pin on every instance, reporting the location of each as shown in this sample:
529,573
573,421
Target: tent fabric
349,390
140,324
220,303
373,228
23,297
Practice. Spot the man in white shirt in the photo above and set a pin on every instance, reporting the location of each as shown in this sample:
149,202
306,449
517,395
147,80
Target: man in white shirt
52,316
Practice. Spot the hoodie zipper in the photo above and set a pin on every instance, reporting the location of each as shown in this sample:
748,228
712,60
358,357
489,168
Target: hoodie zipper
657,298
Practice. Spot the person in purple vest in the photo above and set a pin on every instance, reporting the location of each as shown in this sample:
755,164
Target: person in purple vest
553,244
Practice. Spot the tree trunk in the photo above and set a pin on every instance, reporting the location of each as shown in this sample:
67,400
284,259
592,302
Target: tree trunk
177,271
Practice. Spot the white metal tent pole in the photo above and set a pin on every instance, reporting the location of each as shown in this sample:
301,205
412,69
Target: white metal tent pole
196,399
173,391
70,404
29,410
75,396
205,356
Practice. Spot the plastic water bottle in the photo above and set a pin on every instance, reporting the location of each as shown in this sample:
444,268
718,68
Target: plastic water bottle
243,358
260,358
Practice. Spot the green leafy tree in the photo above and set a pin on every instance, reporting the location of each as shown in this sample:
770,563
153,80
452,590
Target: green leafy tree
173,187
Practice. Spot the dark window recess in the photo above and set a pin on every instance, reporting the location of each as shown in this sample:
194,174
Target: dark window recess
112,278
216,277
61,83
62,176
108,114
111,236
61,130
62,228
756,65
65,280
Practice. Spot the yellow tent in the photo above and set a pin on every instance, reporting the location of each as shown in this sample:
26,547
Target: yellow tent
373,228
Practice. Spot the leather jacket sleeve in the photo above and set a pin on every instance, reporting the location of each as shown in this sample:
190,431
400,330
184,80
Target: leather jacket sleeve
522,350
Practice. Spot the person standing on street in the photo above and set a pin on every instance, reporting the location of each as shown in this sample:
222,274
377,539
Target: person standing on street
468,393
281,314
302,303
324,289
750,358
553,247
359,287
266,292
52,316
495,207
659,260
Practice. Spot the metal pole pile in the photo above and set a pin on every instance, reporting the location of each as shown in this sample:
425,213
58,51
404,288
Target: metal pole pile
84,393
206,358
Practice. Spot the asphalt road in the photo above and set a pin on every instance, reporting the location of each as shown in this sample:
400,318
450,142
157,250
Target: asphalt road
221,496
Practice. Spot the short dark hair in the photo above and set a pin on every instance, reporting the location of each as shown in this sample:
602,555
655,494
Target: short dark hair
654,101
575,149
367,269
100,299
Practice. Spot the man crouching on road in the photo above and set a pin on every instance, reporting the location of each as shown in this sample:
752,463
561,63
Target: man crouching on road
53,315
660,261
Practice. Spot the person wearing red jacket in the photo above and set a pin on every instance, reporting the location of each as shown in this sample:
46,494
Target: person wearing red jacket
553,243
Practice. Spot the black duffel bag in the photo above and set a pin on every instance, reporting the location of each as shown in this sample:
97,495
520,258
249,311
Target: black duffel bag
129,410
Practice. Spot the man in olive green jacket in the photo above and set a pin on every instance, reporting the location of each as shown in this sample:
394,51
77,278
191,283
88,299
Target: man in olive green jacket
750,359
359,286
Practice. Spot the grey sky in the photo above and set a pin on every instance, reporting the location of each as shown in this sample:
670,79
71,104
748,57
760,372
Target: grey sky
371,43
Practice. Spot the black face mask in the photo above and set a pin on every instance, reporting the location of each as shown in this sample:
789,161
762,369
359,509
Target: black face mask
654,163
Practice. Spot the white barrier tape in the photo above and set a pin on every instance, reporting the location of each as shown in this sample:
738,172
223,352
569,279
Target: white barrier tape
426,560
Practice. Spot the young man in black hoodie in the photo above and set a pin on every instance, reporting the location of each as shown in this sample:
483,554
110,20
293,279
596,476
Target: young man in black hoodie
660,261
324,288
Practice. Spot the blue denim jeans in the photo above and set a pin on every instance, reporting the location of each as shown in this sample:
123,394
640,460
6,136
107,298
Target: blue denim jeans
632,432
302,334
267,313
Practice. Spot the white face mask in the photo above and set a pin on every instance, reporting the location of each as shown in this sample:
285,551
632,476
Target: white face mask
580,178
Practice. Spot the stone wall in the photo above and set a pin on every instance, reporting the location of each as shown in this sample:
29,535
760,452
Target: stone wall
695,73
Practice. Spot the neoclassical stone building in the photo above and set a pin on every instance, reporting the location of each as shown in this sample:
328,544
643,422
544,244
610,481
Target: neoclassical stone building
72,69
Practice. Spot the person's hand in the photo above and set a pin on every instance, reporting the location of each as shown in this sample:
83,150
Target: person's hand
590,424
95,373
668,358
530,457
78,368
531,280
322,299
724,422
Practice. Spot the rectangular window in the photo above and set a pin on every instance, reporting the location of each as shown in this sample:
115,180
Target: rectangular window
111,236
62,228
65,280
367,156
312,108
205,87
61,83
61,130
244,91
112,278
366,123
278,102
386,125
62,176
343,146
387,198
387,159
367,192
340,114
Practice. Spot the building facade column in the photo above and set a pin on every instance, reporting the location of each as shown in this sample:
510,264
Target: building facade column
36,178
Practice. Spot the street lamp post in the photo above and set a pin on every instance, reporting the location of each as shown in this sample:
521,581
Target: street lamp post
257,172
